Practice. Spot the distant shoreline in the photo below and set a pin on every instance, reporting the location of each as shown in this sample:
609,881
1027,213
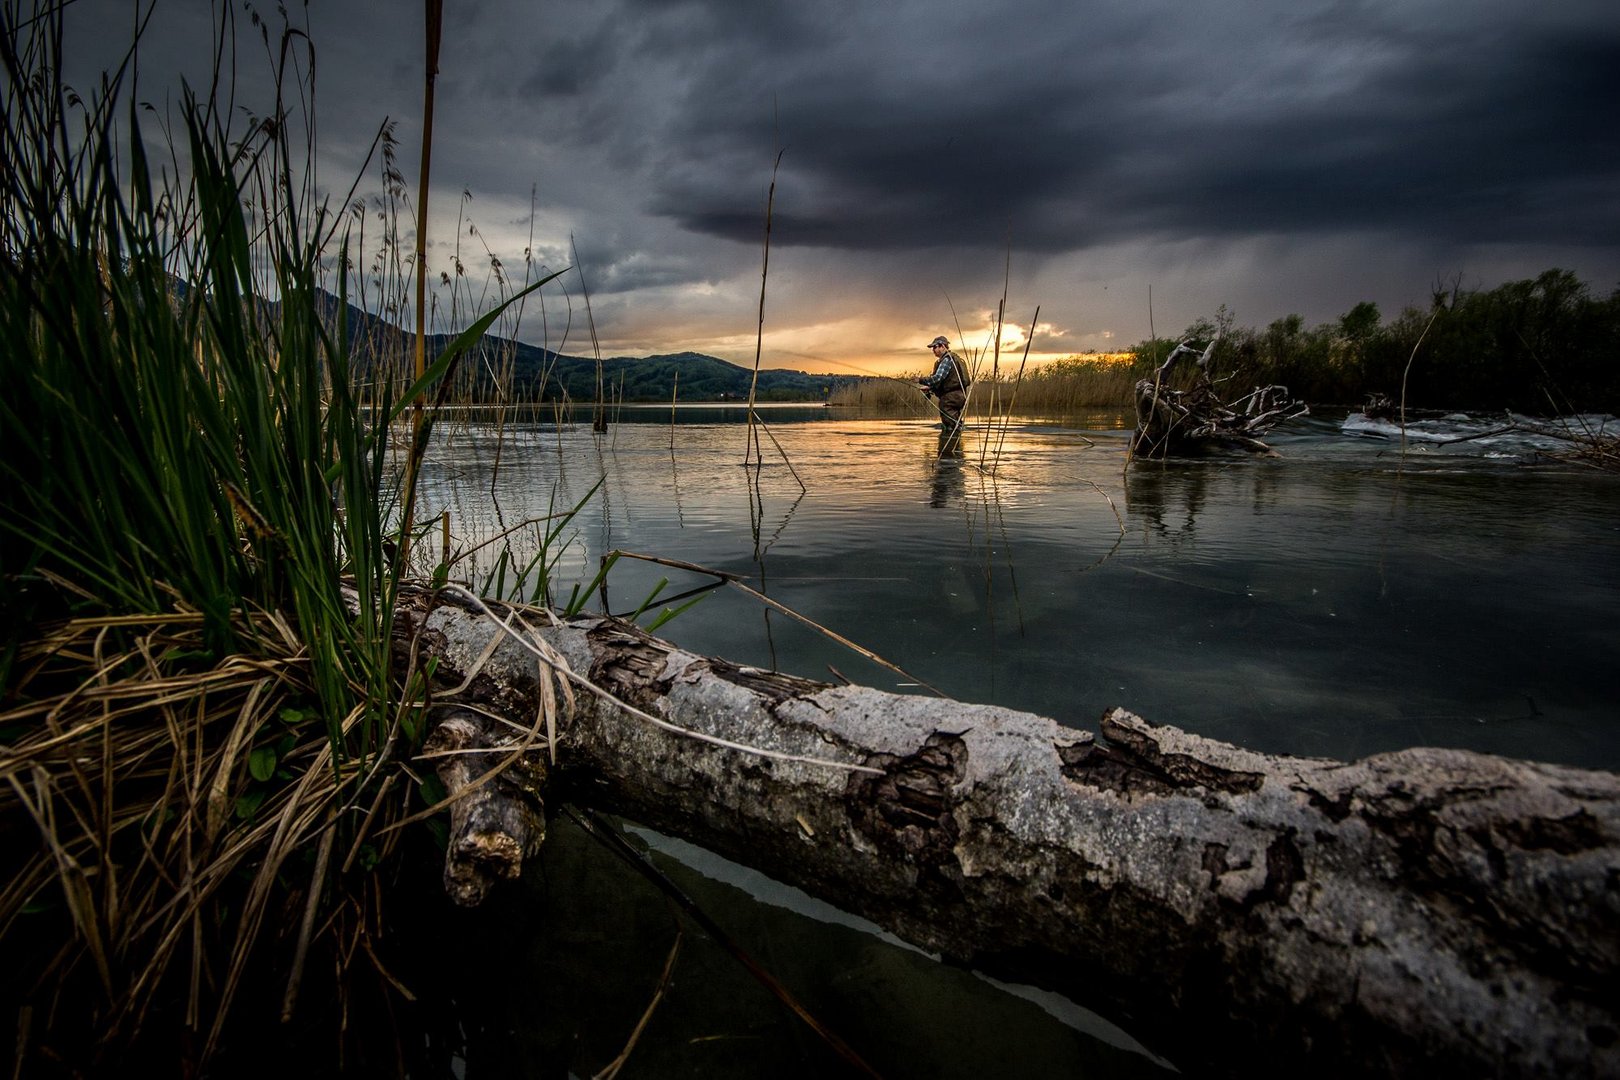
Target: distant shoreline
626,406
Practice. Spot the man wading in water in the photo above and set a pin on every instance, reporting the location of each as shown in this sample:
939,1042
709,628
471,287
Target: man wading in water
948,384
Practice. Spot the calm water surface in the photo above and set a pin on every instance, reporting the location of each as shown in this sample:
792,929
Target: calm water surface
1339,600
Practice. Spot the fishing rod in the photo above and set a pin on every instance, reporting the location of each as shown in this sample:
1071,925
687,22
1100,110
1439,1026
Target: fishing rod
911,383
955,423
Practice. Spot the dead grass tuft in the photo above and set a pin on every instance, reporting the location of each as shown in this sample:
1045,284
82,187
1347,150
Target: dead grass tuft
181,807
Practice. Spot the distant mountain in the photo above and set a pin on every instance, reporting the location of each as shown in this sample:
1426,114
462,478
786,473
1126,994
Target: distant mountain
529,373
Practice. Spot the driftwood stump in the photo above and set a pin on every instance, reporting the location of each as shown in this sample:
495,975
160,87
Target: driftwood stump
1432,911
1171,422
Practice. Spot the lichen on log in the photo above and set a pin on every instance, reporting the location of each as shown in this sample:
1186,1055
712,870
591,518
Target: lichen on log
1434,909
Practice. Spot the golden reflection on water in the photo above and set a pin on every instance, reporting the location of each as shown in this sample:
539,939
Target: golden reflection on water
687,486
1020,564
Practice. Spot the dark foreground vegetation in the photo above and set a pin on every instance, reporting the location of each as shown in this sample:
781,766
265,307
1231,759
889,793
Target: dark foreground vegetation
204,726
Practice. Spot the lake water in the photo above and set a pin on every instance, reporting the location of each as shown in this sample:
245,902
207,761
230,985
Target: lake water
1340,599
1337,600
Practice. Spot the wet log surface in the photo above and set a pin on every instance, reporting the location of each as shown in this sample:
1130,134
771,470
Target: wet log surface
1434,910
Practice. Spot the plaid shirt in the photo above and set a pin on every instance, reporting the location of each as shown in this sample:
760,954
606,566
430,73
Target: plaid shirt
946,375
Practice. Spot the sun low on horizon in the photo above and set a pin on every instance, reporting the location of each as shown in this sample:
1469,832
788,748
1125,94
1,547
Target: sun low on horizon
862,349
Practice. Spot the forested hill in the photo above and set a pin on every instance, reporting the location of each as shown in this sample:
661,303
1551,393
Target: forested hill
503,369
687,376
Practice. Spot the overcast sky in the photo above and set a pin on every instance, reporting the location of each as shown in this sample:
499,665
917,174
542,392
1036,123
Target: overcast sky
1276,156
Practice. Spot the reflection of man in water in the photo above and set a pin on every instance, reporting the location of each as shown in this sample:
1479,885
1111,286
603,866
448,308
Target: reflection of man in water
948,384
947,479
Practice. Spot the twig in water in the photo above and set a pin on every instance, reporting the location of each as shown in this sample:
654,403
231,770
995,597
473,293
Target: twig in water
611,1071
735,581
674,395
621,847
785,459
1434,315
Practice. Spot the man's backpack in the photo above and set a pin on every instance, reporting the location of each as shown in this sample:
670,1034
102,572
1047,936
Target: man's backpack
961,376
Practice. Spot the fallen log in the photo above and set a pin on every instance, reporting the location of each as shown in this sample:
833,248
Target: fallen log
1427,909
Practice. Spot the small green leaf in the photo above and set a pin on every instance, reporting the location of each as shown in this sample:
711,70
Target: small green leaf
650,598
668,614
262,762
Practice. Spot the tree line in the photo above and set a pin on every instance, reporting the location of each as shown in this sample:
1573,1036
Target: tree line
1541,345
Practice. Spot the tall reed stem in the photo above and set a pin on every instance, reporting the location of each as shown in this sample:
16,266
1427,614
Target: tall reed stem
434,12
759,331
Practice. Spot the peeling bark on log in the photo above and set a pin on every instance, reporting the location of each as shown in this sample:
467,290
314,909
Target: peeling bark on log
1433,910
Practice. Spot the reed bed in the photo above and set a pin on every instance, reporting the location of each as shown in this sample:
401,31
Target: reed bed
897,396
1058,387
203,735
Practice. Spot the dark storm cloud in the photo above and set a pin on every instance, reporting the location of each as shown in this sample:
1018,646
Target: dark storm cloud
1069,127
1487,149
1279,155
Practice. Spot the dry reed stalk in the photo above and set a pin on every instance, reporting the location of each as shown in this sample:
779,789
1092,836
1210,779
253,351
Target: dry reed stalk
151,781
735,581
611,1071
504,383
433,30
1012,401
1153,336
995,361
434,26
1407,371
752,446
599,416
